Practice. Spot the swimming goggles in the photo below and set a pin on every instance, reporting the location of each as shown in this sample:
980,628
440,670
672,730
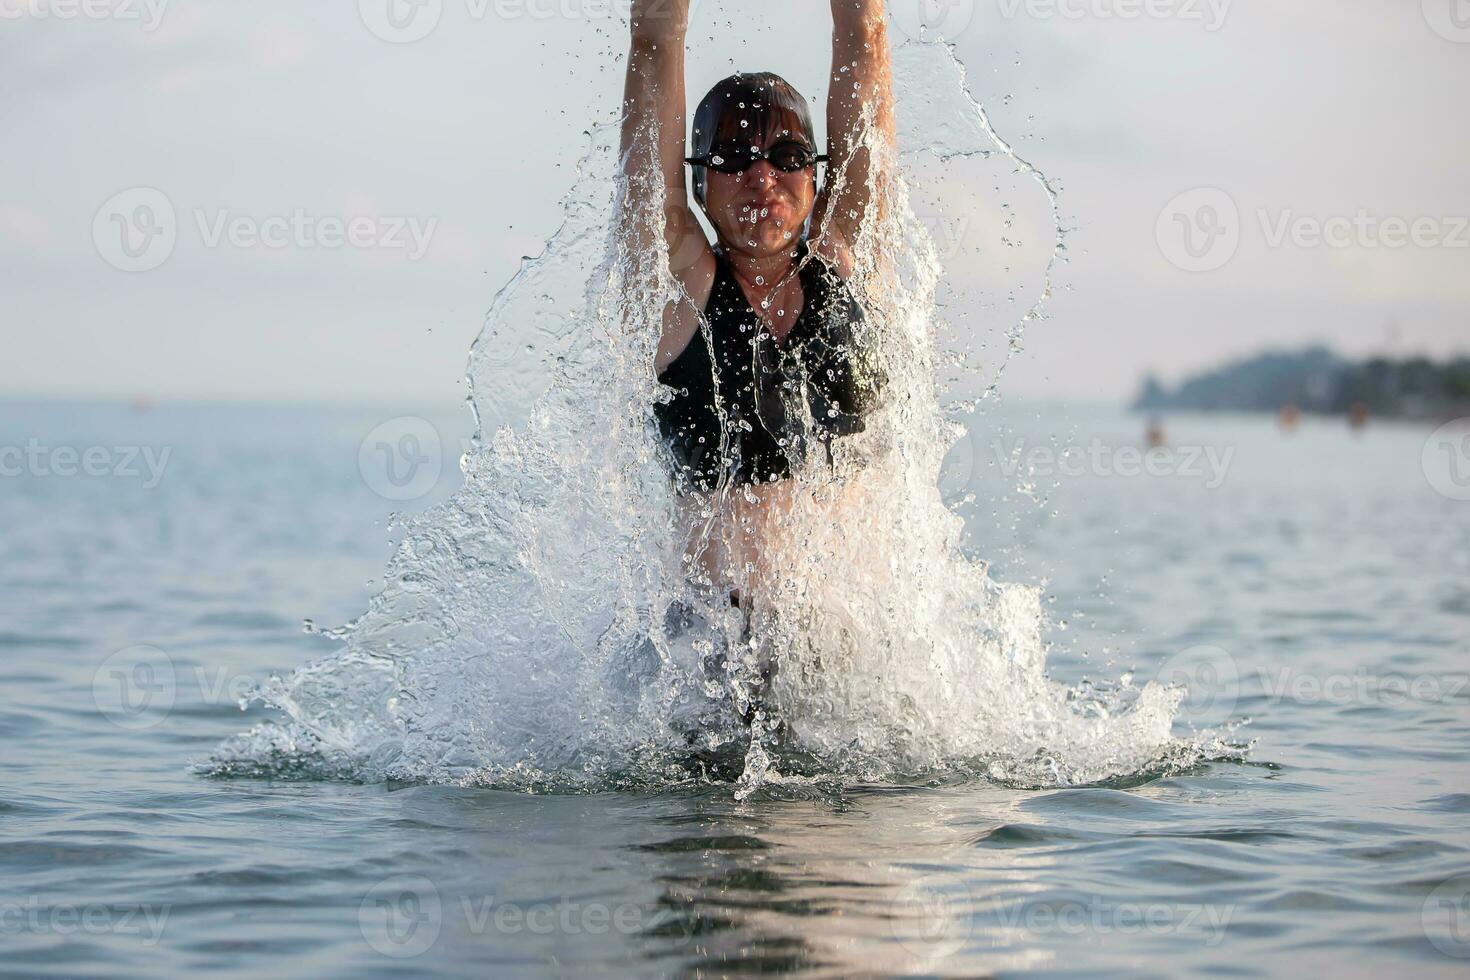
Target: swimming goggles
787,156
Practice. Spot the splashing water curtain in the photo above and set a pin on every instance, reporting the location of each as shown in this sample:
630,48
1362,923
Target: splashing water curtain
544,630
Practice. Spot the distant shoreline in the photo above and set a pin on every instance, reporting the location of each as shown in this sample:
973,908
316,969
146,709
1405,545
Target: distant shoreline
1316,381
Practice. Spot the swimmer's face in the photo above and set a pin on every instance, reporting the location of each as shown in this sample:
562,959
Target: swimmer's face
761,210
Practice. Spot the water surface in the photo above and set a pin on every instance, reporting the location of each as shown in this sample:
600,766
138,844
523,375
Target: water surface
1318,572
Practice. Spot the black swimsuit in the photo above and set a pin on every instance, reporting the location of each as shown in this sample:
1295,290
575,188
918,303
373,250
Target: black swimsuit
775,400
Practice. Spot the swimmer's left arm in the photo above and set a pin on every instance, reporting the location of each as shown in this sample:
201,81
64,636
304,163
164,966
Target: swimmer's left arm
862,75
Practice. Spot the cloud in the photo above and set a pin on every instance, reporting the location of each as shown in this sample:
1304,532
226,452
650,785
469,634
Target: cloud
276,46
1408,273
21,226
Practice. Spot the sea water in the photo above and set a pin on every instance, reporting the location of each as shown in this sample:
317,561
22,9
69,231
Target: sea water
1322,558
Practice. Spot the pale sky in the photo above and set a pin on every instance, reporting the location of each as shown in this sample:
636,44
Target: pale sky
291,119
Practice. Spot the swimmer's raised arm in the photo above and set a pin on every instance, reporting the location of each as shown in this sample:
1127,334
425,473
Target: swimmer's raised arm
654,109
653,98
862,75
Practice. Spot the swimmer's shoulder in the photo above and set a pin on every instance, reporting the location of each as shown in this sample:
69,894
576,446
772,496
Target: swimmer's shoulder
681,317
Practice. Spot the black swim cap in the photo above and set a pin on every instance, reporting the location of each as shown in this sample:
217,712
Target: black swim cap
755,98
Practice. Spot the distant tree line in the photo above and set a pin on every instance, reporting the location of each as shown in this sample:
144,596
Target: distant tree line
1319,381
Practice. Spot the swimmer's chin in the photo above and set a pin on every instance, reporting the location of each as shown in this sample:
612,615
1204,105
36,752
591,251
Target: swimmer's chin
775,233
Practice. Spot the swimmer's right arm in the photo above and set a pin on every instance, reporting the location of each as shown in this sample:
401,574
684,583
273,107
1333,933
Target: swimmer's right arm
653,98
654,105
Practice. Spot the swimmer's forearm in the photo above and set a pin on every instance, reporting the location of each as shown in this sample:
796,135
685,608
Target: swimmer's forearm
653,97
862,69
862,75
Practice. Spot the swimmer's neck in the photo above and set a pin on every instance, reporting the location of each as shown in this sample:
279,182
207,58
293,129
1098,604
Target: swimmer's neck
762,274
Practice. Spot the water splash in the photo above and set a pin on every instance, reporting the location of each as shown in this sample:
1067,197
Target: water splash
548,628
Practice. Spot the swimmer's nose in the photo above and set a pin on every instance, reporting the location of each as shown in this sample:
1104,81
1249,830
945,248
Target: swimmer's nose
761,173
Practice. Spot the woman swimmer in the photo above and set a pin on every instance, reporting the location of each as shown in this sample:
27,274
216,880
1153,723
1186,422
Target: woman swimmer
759,348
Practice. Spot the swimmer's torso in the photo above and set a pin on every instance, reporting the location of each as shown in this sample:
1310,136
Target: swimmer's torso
751,407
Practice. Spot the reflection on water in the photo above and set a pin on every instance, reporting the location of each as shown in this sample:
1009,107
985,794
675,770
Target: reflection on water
881,881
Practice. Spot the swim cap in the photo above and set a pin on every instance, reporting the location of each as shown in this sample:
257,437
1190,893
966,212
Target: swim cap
755,98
